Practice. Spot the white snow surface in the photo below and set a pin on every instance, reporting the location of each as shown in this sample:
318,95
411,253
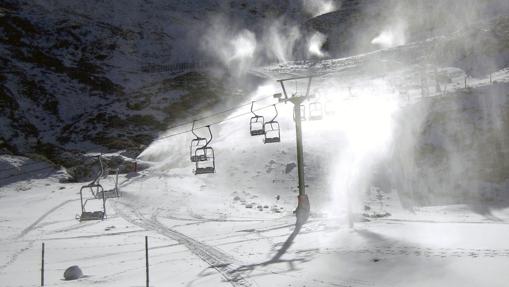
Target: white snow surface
228,229
199,236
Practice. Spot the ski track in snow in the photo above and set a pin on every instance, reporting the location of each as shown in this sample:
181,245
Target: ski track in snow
220,261
25,231
41,218
14,257
421,251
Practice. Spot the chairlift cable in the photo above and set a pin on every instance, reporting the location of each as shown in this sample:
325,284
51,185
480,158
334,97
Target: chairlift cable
214,123
215,114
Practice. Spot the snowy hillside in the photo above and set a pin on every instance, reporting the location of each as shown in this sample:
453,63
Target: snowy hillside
85,71
230,228
405,140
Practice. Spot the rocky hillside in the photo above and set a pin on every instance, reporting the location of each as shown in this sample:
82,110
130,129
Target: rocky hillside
98,76
77,76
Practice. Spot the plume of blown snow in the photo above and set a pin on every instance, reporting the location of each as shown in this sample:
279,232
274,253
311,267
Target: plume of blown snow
315,44
392,36
319,7
235,49
279,40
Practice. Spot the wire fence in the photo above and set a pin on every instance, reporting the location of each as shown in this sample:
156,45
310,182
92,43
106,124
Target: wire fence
177,67
119,257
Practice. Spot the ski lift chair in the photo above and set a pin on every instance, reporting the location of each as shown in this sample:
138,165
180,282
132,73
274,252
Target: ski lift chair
95,186
272,130
329,109
302,112
91,215
315,111
110,193
256,124
197,144
207,162
97,189
208,165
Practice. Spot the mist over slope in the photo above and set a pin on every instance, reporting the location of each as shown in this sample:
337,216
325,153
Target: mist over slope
81,75
99,76
405,142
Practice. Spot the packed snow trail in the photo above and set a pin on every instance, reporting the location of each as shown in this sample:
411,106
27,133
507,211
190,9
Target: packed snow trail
41,218
223,263
16,254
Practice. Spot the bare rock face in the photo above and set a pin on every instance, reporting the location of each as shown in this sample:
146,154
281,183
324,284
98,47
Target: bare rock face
73,273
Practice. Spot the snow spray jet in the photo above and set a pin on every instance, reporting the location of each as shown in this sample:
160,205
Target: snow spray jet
364,129
319,7
392,36
315,43
237,49
279,40
234,48
440,156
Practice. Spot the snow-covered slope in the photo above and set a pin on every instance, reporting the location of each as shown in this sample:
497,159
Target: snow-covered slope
398,138
78,76
229,229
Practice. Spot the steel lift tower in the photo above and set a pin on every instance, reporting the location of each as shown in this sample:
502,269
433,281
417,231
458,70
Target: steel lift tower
303,207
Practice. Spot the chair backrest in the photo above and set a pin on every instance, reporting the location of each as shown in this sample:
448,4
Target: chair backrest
209,164
196,144
272,132
256,125
315,111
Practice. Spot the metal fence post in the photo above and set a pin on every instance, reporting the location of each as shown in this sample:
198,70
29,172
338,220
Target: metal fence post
146,259
42,266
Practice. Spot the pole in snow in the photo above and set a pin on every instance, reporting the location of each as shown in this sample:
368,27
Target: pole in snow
42,265
146,259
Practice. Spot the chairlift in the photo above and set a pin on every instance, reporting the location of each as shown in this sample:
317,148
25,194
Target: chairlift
92,215
95,186
315,111
110,193
97,189
208,164
329,110
196,145
272,130
256,124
